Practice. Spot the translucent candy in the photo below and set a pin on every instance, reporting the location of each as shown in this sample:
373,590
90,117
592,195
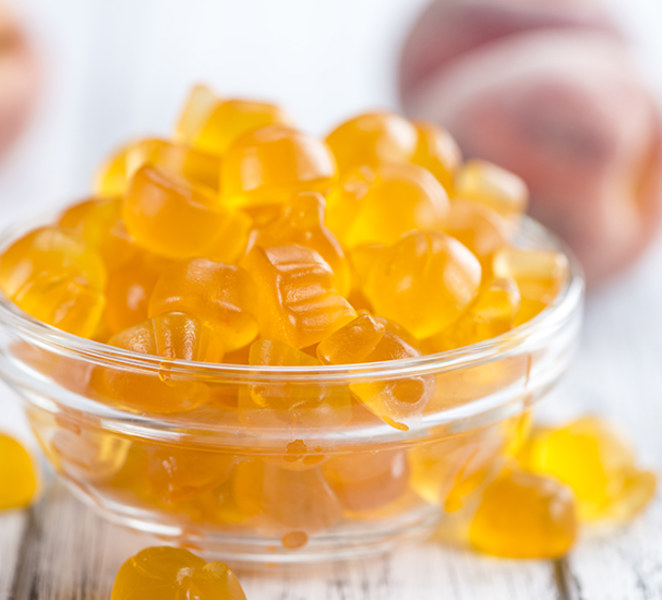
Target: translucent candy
539,274
478,227
596,463
423,282
491,314
98,222
500,190
295,403
212,124
450,470
164,573
19,481
295,300
180,160
522,515
283,500
438,152
371,139
267,165
53,276
172,336
367,480
366,339
129,289
171,216
301,221
176,473
216,293
376,205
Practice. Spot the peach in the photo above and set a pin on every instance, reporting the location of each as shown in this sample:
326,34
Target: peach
548,90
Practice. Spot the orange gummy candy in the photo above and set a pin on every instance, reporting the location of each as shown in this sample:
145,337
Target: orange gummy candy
267,165
285,500
491,314
129,289
216,293
478,227
293,403
438,152
368,339
19,481
367,480
522,515
598,465
423,282
164,573
500,190
295,298
301,221
371,139
539,274
171,216
98,222
53,276
171,336
376,205
212,123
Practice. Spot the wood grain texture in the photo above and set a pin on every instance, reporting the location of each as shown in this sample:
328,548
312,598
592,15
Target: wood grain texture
69,553
12,527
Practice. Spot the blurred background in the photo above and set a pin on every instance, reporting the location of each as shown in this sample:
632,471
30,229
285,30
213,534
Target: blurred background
80,77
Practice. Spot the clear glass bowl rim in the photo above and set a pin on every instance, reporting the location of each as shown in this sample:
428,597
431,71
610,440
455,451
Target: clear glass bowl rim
540,328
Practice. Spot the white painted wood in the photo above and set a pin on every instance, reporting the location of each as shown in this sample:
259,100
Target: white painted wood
69,553
12,527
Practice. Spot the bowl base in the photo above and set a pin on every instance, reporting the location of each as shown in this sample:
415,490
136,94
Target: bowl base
352,540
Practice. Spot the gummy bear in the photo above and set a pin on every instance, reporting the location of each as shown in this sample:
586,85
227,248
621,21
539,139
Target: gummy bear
367,480
291,403
129,289
192,164
164,573
177,472
295,298
478,227
212,124
267,165
367,339
284,500
500,190
523,515
491,314
376,205
19,481
85,453
98,222
301,221
598,465
173,217
216,293
539,274
438,152
371,139
53,276
424,281
172,336
448,471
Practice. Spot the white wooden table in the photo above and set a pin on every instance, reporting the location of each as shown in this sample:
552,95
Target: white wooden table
59,550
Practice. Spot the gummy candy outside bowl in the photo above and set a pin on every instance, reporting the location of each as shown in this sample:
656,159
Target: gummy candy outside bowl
241,478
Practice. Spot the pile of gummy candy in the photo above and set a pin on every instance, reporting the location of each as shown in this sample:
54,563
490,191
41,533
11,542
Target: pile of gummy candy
245,240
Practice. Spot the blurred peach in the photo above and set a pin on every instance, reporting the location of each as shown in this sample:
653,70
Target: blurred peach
19,79
547,89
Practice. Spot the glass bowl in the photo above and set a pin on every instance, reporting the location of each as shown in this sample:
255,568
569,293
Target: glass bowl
237,476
